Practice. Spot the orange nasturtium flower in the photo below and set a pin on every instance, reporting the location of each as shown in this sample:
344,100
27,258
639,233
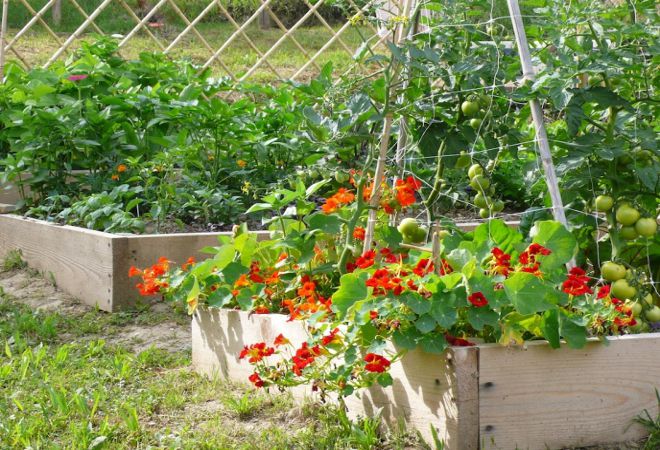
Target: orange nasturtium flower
241,163
114,177
342,197
121,168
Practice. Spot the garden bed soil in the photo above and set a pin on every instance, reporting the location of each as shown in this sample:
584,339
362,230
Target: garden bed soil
487,396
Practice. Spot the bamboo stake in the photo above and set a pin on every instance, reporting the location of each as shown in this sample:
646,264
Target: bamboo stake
279,42
36,17
140,25
537,114
329,43
76,33
82,13
235,35
384,145
3,31
137,19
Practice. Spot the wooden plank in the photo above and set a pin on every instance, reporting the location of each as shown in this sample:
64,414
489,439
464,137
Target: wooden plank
79,260
539,398
428,390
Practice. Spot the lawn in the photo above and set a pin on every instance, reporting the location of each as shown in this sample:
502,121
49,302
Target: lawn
74,377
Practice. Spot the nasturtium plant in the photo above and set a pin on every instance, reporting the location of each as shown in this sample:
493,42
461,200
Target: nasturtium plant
493,285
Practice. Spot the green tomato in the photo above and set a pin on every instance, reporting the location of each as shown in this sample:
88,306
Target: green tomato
474,170
341,177
498,206
475,123
480,183
653,315
481,201
463,160
636,308
626,215
611,271
628,233
484,213
622,290
469,108
648,298
603,203
420,235
646,227
408,227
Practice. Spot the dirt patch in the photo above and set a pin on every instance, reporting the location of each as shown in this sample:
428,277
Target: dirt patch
154,325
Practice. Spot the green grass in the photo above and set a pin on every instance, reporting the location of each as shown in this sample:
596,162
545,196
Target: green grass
86,393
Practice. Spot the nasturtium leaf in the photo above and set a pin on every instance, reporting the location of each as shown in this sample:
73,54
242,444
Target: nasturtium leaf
325,222
350,355
376,346
390,236
528,294
385,379
495,233
550,327
368,334
244,297
573,330
558,239
443,310
224,255
458,258
480,317
233,271
433,343
220,297
425,324
352,288
451,280
406,339
416,302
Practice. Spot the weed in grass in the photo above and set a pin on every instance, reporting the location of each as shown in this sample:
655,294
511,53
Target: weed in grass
13,261
652,425
245,406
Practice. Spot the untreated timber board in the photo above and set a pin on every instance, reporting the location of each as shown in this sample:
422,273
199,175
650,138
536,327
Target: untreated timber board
535,397
429,390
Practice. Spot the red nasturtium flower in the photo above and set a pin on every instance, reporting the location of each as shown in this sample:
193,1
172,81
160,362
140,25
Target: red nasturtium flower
457,342
604,291
331,338
576,283
501,262
280,340
256,352
367,259
478,299
376,363
382,281
304,357
359,233
256,380
261,310
75,78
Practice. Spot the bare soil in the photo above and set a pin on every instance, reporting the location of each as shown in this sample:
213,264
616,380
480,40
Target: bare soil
155,324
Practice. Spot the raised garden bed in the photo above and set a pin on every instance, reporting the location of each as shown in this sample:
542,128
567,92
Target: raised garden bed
93,265
488,396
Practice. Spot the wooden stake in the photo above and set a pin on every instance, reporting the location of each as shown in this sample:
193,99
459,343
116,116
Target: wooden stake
57,13
3,31
537,114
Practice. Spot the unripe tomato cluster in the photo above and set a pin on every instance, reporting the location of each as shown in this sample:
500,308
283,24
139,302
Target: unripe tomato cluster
411,231
475,108
632,224
621,288
483,200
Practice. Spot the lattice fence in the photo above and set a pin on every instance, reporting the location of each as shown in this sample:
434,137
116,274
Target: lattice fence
261,42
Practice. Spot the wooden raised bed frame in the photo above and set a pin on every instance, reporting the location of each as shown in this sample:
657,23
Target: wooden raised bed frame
93,265
488,396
